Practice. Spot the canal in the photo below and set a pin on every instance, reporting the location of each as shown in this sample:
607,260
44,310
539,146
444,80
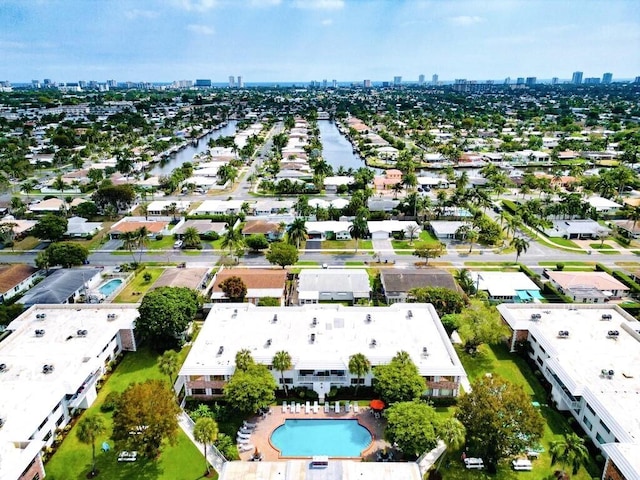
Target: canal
336,149
186,154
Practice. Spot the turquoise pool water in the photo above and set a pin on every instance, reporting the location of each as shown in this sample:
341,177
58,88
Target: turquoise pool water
334,438
109,287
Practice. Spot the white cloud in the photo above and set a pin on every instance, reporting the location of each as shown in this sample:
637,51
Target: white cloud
200,29
326,22
264,3
319,4
196,5
466,20
135,13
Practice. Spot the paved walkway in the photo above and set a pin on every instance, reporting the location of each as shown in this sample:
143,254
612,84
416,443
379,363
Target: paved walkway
266,425
214,457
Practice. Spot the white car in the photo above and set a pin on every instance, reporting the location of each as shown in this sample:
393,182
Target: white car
474,463
522,464
177,244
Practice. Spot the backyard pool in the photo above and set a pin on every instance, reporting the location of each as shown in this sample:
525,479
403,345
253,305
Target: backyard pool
107,288
333,438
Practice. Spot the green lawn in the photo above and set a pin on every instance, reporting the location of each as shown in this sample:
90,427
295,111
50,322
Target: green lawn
589,265
307,263
599,246
165,244
564,242
27,243
498,360
347,244
72,461
138,284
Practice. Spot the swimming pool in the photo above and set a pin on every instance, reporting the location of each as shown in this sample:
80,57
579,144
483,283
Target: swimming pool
334,438
109,287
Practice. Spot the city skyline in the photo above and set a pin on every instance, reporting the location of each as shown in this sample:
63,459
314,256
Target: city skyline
313,40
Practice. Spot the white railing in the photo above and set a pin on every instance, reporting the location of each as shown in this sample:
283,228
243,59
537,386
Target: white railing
214,457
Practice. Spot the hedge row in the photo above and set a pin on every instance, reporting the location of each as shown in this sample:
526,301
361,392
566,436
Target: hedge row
511,206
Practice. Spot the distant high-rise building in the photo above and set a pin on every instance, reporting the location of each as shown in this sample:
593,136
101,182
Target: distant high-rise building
421,80
203,83
554,81
507,80
576,78
531,81
366,83
592,81
35,83
240,82
637,80
434,79
386,84
520,81
607,78
397,81
324,83
232,81
112,83
334,83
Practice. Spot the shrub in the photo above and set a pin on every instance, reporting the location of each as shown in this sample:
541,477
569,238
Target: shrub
210,236
110,402
559,266
159,236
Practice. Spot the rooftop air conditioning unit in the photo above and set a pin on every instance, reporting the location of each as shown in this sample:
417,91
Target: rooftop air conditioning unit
314,322
41,316
47,368
425,352
82,333
606,316
220,350
111,316
368,319
275,318
40,333
268,342
410,314
373,342
313,338
3,367
563,334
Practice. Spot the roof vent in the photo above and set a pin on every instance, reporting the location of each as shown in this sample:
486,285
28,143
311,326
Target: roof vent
313,338
605,372
3,367
41,316
425,352
535,317
563,334
314,322
410,314
40,333
268,342
82,333
606,316
368,318
613,334
275,318
46,368
373,342
221,350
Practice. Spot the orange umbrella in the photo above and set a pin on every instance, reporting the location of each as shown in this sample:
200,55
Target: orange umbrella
376,404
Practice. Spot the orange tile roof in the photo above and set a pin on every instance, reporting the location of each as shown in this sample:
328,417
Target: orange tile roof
253,277
153,227
12,275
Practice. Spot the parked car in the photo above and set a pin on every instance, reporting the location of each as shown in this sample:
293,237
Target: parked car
474,463
522,464
177,244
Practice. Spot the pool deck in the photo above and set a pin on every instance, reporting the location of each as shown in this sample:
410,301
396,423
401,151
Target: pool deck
267,424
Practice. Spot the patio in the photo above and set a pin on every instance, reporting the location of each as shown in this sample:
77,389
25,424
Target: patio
267,424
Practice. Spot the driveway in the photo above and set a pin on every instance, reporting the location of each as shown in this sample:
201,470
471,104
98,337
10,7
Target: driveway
382,246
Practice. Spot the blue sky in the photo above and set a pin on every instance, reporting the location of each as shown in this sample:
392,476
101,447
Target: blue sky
304,40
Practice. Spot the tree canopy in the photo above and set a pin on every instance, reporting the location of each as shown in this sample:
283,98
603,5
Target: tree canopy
50,227
478,324
150,410
399,380
234,288
119,197
250,389
257,242
413,426
165,314
444,300
427,251
499,419
66,254
282,254
90,427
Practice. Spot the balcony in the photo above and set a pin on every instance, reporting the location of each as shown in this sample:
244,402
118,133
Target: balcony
322,378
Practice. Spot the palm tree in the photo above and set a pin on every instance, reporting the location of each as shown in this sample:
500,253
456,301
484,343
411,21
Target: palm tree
144,210
191,238
232,238
129,242
397,188
172,209
472,237
463,277
412,231
521,245
359,365
169,364
142,239
124,162
205,431
244,360
89,428
297,232
569,451
359,228
59,184
282,362
452,433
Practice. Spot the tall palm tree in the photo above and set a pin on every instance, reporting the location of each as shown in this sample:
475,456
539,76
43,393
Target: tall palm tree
142,239
569,451
129,242
463,277
452,433
205,431
144,210
191,238
232,238
359,365
244,359
282,362
297,232
359,228
89,428
521,245
169,364
59,184
412,232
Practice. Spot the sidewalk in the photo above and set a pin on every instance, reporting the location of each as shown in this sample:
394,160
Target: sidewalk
215,459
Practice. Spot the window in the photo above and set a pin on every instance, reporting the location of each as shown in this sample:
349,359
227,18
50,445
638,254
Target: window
606,429
539,360
198,391
356,381
44,422
47,436
590,410
600,439
587,423
60,420
36,476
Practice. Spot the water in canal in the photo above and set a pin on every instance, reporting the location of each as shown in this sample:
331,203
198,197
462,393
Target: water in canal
336,149
187,153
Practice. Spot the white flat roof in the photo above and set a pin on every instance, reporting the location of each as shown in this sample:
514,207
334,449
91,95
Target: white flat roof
218,205
159,205
340,332
503,284
579,359
27,395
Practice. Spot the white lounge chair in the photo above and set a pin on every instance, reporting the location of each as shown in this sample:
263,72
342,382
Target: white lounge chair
337,409
347,406
316,407
284,407
245,431
249,425
245,447
327,407
298,407
356,407
307,408
241,441
240,434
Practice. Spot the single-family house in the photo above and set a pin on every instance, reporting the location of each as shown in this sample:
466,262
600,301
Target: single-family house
267,207
260,282
515,287
628,228
587,287
162,207
204,227
390,178
195,278
344,285
78,227
387,228
576,229
377,204
218,207
444,229
271,230
63,286
131,224
15,279
396,284
328,230
331,184
603,205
